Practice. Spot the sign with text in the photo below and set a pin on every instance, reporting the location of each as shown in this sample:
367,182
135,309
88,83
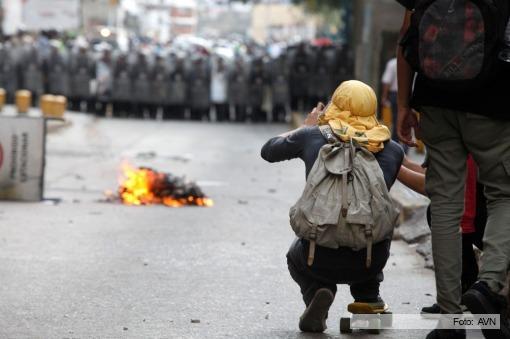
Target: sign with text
21,158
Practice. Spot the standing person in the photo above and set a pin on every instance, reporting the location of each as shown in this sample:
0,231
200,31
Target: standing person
257,83
122,88
199,90
468,115
342,65
352,113
280,88
177,90
140,74
82,72
299,76
9,77
389,93
320,76
56,70
219,90
104,76
159,84
32,73
238,90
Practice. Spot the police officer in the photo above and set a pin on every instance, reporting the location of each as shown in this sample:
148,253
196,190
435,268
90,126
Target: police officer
299,79
8,72
320,89
257,82
56,71
219,90
159,83
121,89
104,77
238,90
31,73
140,77
343,65
280,88
177,92
82,72
199,90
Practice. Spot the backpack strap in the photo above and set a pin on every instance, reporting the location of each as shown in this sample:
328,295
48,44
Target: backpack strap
344,182
369,237
328,134
311,249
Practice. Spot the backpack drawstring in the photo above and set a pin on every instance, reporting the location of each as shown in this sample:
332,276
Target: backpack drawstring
368,236
311,251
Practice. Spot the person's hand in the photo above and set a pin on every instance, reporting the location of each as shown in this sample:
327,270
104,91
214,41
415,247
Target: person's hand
407,121
313,116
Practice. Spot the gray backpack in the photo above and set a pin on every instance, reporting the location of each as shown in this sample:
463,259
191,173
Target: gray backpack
345,201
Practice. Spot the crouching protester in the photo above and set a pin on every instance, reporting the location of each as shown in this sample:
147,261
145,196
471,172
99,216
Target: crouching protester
344,220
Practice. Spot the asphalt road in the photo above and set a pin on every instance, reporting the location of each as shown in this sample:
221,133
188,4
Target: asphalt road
79,267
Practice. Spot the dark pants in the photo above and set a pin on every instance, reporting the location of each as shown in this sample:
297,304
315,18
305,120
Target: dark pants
143,109
122,108
200,113
240,113
75,104
174,111
279,112
301,103
258,114
338,266
222,112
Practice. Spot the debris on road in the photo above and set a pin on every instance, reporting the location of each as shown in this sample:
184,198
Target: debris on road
195,321
146,155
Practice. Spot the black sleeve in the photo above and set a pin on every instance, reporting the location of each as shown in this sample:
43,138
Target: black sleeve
390,160
408,4
285,148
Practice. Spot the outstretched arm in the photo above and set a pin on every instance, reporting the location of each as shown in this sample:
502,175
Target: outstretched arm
289,145
413,180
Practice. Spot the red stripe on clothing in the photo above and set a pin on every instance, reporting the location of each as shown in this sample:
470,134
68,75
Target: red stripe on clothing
468,219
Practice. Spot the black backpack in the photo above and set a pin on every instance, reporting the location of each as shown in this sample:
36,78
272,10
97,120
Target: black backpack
454,44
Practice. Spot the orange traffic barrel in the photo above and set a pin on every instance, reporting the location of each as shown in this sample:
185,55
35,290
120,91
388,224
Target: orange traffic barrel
46,104
23,100
2,98
59,106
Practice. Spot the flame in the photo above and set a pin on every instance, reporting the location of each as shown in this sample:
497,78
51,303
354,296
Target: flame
137,186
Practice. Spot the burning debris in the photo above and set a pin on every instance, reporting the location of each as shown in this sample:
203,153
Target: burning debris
145,186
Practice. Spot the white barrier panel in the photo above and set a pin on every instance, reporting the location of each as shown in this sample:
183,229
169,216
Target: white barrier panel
21,158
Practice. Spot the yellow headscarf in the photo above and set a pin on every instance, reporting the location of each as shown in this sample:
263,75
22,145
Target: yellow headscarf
352,115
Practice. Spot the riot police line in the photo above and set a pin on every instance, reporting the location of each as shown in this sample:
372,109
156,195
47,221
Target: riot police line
193,84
